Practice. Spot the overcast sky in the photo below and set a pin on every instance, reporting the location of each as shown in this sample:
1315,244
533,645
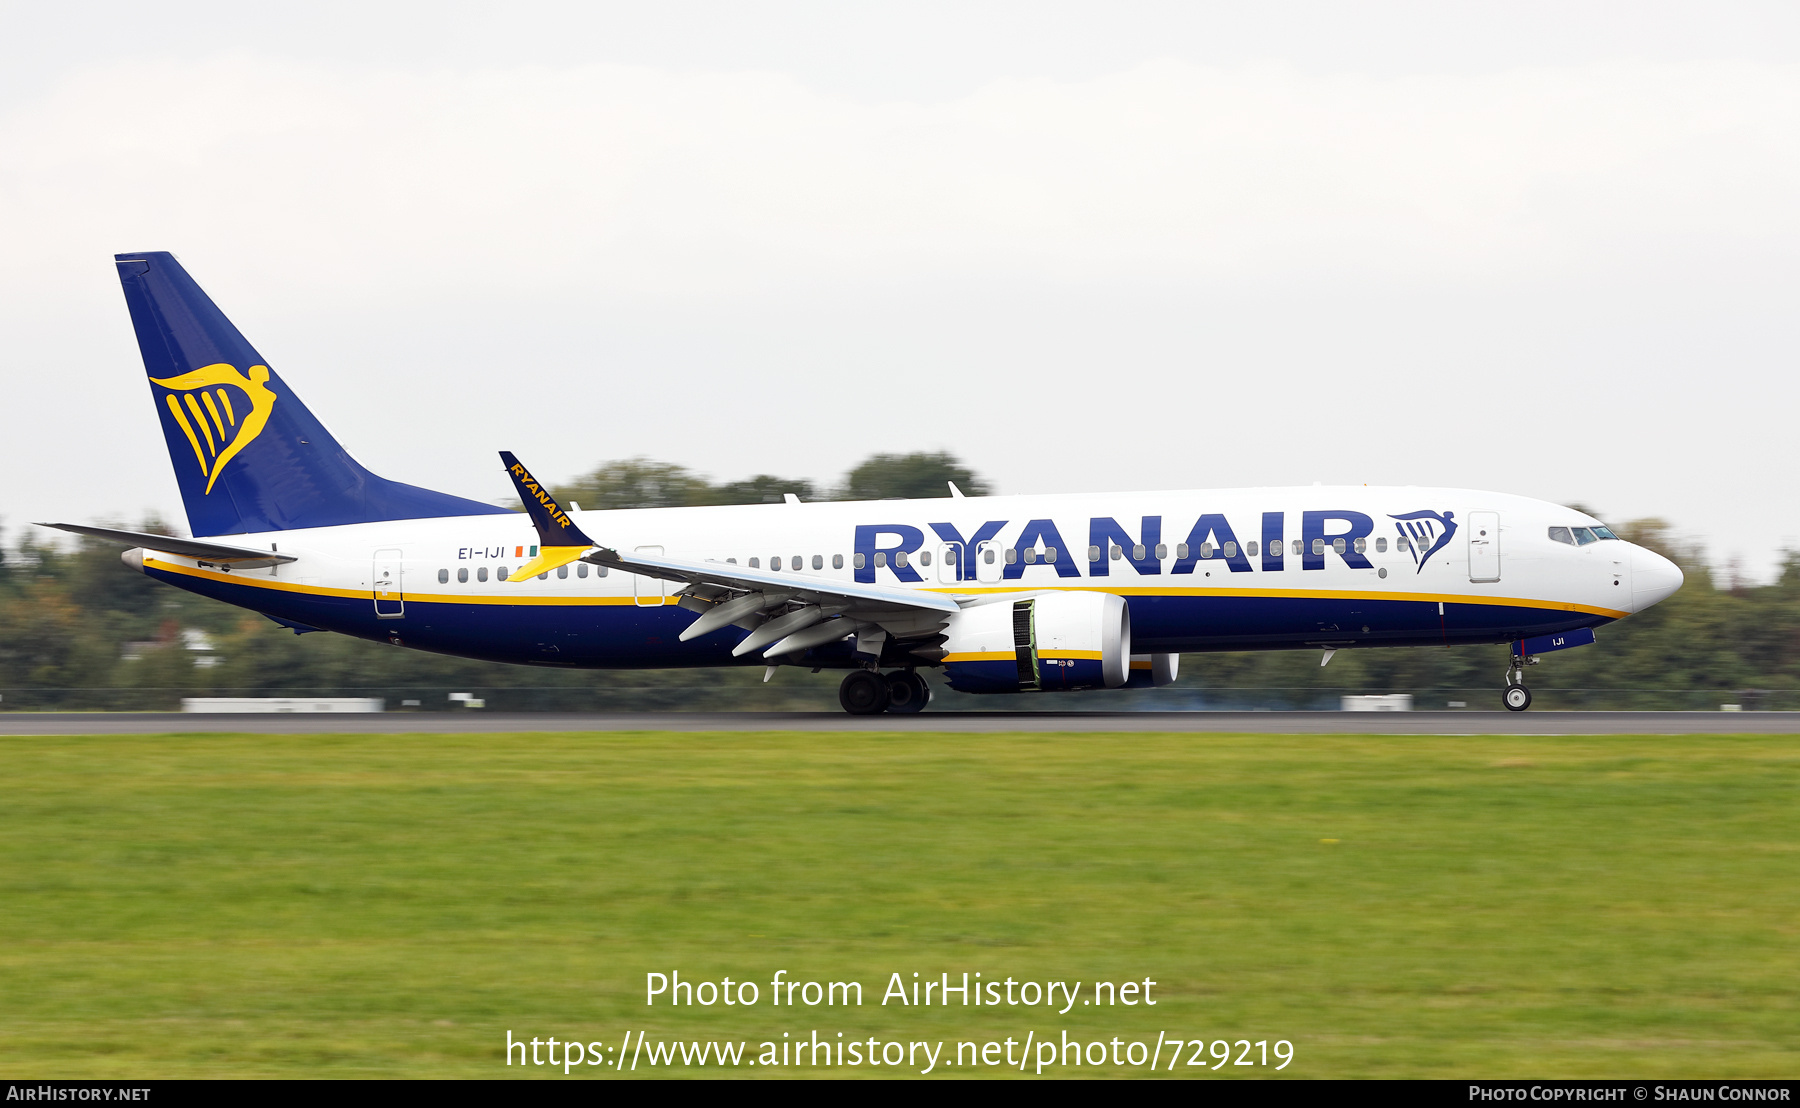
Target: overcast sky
1549,249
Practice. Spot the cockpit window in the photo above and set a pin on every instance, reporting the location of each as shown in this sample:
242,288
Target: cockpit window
1584,535
1562,534
1604,533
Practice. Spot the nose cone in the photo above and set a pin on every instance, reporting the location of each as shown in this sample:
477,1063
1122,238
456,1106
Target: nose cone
1653,578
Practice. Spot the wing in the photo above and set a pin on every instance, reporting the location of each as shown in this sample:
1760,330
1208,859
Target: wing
788,613
785,613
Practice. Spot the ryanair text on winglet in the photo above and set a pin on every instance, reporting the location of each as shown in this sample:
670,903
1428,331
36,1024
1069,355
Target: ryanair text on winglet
530,483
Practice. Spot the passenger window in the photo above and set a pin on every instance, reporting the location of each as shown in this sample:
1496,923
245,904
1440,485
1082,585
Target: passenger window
1337,545
756,563
443,577
544,576
1563,535
880,559
1030,557
1298,549
925,557
900,559
1362,546
1318,546
818,561
1181,551
1231,550
581,569
1093,553
1381,546
797,562
1117,553
562,573
1012,556
1206,550
1049,553
858,561
775,563
481,574
1583,536
600,571
987,555
837,561
462,576
1162,551
501,573
1137,552
1403,545
1250,548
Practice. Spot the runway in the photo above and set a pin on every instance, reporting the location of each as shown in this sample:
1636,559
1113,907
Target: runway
1271,723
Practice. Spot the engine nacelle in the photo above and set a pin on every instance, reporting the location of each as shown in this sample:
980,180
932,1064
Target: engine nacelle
1153,671
1048,643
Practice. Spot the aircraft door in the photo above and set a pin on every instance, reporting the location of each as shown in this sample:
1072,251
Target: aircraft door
648,592
390,600
1484,546
989,562
950,562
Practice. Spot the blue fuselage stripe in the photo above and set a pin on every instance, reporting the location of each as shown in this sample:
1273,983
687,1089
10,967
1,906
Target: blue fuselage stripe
627,636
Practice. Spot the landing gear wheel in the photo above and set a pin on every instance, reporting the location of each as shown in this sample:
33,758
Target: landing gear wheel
1517,697
864,693
907,693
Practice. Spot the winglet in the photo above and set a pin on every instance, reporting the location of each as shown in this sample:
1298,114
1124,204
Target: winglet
559,539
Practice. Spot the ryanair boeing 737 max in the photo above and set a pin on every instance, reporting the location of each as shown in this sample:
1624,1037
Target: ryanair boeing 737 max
1003,594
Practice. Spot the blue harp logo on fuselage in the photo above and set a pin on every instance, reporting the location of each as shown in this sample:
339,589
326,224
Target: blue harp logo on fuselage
1426,532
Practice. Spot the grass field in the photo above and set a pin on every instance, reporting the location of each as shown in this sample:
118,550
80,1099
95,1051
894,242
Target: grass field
199,905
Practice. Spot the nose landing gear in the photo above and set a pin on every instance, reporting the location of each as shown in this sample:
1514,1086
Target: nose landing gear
1517,697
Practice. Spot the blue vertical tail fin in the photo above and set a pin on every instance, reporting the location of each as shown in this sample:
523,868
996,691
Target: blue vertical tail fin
249,456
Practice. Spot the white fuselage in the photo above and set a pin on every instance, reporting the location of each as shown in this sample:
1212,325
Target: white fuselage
1198,568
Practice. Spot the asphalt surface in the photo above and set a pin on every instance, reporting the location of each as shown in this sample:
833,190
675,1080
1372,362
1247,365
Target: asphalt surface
1272,723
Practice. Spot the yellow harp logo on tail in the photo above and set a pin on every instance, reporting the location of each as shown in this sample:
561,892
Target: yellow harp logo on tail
203,406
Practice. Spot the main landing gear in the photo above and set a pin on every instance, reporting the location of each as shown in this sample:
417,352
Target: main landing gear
866,692
1517,697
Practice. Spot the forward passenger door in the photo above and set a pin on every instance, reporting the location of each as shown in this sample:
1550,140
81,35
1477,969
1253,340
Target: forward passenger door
1484,546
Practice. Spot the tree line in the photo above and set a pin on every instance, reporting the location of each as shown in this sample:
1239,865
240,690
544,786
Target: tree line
79,630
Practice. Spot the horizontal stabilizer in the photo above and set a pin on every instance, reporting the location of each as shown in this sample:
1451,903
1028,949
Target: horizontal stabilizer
237,557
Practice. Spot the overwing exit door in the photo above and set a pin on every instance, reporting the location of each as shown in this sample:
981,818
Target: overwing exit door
390,600
950,562
648,592
988,562
1484,546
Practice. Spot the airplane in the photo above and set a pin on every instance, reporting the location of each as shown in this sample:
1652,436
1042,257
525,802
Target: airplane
999,594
